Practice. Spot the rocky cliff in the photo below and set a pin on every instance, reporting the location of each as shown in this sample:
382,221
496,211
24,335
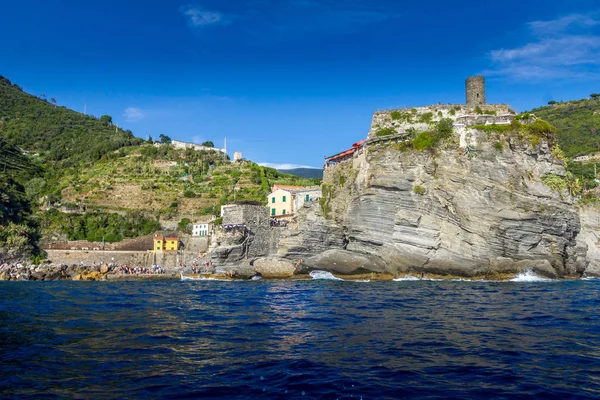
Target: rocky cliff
478,211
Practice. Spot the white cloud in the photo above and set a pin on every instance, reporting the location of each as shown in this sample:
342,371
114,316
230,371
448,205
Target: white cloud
133,114
199,17
556,26
564,48
284,166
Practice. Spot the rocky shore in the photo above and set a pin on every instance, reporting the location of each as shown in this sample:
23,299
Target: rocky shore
51,272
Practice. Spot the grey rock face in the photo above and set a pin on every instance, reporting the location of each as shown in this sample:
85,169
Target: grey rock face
590,238
309,235
448,213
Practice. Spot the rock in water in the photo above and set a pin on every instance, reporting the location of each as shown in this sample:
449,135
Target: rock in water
345,262
274,268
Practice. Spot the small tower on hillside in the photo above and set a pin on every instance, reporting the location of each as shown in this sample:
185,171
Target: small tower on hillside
475,86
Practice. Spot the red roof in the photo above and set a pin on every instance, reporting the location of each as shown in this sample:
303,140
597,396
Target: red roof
284,187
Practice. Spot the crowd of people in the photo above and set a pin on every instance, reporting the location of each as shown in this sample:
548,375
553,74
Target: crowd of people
279,222
204,267
233,229
139,270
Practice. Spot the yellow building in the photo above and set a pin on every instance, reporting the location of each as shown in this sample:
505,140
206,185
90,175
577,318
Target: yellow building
280,201
166,241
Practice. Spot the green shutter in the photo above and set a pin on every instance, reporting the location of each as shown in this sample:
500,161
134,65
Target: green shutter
273,199
272,211
307,198
283,199
283,213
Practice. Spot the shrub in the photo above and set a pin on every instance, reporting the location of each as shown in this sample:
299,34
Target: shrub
424,140
444,128
418,189
426,118
499,146
189,193
452,112
478,110
185,225
401,116
385,131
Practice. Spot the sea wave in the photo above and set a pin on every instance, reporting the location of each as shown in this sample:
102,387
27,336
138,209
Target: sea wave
529,276
316,274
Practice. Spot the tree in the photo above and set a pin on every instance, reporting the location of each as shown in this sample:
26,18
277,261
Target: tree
552,102
150,140
185,226
208,143
106,119
53,100
164,139
595,96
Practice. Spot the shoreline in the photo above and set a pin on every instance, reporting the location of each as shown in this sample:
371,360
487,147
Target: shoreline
18,272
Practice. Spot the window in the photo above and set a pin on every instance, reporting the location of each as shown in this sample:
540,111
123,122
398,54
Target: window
272,211
307,198
273,199
283,199
283,211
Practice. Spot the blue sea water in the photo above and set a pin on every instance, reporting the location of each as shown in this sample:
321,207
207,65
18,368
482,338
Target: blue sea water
300,340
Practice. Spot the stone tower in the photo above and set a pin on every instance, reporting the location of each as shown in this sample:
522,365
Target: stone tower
475,90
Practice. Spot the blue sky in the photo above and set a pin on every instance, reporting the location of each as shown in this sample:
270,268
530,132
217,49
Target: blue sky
289,81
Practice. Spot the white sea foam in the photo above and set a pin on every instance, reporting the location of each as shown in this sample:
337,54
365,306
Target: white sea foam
323,275
406,278
529,276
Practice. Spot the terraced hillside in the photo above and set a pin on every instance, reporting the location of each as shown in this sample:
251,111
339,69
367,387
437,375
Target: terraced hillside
83,178
163,180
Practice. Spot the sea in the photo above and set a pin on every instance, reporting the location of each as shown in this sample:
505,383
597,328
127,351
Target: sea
321,338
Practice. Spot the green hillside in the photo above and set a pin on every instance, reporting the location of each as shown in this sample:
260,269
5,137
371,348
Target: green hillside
18,230
54,132
577,123
81,177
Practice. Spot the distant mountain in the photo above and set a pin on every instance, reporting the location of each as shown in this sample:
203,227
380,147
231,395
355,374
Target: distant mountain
308,173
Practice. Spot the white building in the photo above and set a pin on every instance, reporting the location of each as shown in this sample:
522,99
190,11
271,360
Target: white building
201,229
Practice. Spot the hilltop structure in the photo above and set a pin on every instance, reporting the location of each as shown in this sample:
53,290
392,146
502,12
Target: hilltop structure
178,144
404,123
475,88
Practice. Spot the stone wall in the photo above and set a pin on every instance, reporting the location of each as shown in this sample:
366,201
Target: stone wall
412,118
143,258
258,240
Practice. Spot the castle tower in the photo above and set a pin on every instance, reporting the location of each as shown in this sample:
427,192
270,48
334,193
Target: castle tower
475,90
